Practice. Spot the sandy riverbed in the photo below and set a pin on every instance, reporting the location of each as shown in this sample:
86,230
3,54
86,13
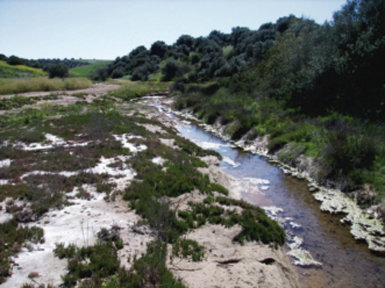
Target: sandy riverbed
226,264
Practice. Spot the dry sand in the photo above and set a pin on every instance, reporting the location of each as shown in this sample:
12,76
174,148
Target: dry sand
77,224
229,264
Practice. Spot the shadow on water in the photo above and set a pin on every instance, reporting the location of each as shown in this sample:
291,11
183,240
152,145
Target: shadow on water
345,262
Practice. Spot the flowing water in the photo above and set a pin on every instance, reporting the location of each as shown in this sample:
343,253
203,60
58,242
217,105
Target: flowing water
343,262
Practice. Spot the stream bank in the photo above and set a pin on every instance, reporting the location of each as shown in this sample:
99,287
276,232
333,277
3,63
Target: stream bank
336,258
366,225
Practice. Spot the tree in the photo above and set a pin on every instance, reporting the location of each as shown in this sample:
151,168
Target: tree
13,60
118,72
57,70
185,40
170,70
158,48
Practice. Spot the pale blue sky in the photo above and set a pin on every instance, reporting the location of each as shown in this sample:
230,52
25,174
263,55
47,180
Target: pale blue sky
106,29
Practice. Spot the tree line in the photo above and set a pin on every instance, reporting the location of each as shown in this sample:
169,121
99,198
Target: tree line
55,67
336,66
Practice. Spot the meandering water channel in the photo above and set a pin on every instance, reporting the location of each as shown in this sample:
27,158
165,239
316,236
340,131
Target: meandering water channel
343,262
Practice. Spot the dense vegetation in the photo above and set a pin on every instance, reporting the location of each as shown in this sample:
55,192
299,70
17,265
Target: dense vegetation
314,89
42,63
197,59
314,68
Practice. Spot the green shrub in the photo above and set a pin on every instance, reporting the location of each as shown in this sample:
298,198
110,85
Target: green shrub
346,152
186,248
151,268
256,225
57,70
95,262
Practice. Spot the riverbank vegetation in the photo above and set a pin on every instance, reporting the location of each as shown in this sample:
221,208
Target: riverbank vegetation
131,89
315,90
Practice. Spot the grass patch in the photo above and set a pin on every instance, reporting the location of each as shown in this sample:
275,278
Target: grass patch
10,86
130,89
88,70
18,101
14,102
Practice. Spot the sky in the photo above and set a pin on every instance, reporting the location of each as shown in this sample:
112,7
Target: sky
101,29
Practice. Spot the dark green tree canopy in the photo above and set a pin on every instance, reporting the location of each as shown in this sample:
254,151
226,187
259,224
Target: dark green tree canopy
57,70
159,48
313,68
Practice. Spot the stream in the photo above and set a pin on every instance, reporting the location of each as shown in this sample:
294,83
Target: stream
321,247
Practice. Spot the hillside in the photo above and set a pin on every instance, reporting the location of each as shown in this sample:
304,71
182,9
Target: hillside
315,91
19,71
17,67
88,70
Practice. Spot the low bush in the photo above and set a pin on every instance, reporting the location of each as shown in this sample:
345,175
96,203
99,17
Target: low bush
151,270
188,248
256,225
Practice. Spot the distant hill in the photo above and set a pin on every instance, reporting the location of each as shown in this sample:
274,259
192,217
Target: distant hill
19,71
90,69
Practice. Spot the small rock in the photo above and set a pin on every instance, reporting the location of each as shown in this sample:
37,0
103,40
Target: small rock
33,275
